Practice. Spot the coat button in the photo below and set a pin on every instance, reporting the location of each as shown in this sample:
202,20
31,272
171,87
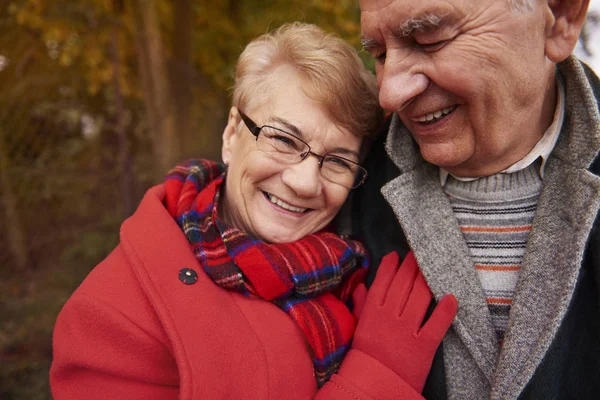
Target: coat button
188,276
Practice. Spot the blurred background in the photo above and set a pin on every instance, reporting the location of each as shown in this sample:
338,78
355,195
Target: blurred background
98,99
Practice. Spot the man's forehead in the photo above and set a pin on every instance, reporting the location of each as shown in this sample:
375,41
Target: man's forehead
411,6
367,5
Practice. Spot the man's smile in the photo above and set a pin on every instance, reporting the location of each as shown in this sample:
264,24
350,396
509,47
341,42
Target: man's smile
434,116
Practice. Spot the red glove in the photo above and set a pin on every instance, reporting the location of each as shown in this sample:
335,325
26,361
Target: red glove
389,328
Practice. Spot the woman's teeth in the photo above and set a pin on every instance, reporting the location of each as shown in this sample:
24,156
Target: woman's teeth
435,115
283,205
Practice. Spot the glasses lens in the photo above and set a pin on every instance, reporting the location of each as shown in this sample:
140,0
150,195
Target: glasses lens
342,171
287,148
280,145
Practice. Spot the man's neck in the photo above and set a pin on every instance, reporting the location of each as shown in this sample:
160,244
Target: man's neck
549,119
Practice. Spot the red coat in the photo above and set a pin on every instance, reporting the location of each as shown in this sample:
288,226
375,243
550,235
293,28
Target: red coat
134,330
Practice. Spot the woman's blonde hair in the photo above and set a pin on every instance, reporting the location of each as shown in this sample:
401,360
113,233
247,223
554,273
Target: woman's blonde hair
335,75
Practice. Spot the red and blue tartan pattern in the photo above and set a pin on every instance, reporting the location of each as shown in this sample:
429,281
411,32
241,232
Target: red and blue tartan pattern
310,279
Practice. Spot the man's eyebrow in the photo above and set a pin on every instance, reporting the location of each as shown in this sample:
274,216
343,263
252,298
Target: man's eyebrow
420,24
368,44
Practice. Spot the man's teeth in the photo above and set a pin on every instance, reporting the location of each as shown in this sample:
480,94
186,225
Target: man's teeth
286,206
434,115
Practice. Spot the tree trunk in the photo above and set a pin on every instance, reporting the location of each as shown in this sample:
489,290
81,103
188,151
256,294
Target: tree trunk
124,157
15,231
157,93
181,70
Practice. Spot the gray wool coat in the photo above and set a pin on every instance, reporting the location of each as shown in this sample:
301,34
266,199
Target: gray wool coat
552,345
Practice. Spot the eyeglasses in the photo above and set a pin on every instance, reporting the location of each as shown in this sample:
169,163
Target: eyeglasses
287,148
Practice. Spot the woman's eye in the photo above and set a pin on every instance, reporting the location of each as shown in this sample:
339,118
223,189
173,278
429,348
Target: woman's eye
284,140
338,162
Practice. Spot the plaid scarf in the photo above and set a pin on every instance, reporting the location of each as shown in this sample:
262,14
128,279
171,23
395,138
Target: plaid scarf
309,279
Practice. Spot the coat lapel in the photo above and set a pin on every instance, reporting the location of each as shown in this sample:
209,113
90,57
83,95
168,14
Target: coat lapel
427,219
565,214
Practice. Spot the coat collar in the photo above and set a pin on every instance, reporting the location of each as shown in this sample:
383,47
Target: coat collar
564,217
157,250
566,210
417,199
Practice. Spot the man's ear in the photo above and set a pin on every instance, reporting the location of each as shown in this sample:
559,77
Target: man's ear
566,18
229,134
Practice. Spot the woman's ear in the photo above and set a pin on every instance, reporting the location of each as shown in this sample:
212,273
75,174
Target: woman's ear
562,31
229,135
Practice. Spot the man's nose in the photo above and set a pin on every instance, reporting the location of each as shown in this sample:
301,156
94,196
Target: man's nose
304,178
399,84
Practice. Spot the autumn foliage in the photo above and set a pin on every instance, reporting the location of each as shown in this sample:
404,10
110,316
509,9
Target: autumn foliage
98,98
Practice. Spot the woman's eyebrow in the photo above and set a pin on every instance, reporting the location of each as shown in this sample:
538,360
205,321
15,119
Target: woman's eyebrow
288,125
343,151
294,129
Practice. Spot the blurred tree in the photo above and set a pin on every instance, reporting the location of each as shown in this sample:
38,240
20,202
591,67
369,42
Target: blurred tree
181,70
146,80
125,157
17,56
157,89
176,55
15,231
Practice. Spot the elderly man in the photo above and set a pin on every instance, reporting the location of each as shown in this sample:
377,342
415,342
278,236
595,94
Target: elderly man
489,173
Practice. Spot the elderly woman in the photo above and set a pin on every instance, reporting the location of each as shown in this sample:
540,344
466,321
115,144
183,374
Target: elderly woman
228,281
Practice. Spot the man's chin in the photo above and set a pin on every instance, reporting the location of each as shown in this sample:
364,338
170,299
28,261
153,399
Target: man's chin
444,160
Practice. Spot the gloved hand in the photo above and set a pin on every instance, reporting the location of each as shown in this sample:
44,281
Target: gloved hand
389,326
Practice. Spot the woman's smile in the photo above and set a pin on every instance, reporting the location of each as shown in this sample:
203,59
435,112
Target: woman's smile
284,205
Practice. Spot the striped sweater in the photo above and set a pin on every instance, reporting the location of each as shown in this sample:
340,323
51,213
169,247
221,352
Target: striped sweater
495,214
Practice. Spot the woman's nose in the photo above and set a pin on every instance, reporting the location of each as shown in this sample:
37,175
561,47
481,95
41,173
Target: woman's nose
304,178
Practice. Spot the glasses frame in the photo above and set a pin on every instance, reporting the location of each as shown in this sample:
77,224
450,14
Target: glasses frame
255,130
